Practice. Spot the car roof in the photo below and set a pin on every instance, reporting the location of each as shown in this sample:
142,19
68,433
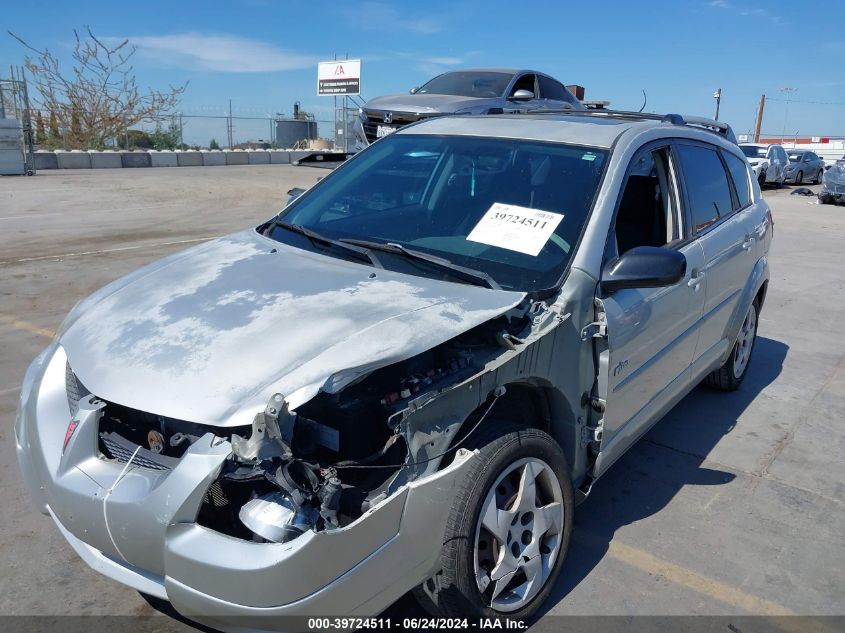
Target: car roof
591,129
509,71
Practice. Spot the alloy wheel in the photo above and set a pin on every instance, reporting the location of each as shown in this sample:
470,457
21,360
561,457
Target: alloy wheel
518,534
745,342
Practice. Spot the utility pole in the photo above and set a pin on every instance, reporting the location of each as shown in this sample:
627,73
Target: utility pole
759,123
229,125
718,97
788,92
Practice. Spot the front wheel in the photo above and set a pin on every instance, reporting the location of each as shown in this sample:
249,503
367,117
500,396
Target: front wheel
819,177
761,179
509,528
730,375
799,178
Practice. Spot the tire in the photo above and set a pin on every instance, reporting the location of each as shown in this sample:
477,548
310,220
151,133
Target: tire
825,198
799,178
819,176
731,374
531,542
761,179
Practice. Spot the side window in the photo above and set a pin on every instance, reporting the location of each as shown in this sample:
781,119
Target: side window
648,208
526,82
739,174
706,184
782,155
551,89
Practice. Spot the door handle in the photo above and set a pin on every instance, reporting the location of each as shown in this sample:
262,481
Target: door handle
748,243
695,281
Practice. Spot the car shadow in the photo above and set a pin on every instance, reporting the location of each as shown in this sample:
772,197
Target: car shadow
654,470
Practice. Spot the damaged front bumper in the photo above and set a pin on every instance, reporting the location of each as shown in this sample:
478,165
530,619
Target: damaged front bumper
138,525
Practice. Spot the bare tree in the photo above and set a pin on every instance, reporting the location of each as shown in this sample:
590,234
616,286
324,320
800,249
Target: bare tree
98,98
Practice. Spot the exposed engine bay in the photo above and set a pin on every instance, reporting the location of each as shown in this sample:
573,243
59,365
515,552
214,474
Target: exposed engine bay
326,463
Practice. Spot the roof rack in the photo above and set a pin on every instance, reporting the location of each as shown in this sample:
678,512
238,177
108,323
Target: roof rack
711,125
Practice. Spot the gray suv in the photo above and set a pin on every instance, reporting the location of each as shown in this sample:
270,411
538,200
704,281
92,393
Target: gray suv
470,91
408,378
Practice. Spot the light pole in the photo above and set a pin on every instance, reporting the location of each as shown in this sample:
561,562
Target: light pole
718,97
788,92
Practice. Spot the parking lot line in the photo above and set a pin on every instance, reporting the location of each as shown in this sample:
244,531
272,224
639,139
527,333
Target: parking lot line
26,326
723,592
105,251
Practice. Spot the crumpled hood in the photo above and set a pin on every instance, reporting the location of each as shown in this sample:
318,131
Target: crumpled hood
427,104
208,335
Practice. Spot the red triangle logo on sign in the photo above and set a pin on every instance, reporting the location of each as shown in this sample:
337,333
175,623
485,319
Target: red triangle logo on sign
339,70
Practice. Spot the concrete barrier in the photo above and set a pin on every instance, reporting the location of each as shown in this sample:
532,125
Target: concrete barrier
105,160
237,158
213,157
135,159
279,157
45,160
163,159
259,158
75,159
189,159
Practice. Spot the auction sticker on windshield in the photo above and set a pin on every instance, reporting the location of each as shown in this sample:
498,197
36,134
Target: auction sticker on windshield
515,228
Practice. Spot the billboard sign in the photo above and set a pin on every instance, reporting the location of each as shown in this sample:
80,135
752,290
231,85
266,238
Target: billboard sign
339,78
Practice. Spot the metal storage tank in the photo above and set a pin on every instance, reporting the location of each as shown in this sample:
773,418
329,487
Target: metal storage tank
290,131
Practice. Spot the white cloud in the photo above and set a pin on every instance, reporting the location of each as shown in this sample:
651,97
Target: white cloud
754,12
443,61
381,16
224,53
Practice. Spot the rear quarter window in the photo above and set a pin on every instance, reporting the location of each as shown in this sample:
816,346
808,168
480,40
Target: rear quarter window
739,174
706,184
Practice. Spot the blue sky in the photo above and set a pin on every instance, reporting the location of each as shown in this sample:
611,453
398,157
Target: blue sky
262,54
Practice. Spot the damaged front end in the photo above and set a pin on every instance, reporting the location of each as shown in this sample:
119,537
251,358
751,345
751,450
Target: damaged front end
325,464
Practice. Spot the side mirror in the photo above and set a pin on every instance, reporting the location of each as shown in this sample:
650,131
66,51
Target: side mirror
414,90
644,267
522,95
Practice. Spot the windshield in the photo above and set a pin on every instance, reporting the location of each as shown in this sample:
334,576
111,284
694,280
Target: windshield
468,84
512,209
753,151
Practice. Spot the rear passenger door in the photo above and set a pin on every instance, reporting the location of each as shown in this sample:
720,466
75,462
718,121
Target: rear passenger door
718,216
553,95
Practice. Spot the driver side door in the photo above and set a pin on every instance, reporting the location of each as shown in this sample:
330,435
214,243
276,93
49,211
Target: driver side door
651,333
526,81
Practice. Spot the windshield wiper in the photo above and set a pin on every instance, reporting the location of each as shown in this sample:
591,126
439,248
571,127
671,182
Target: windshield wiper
317,237
470,274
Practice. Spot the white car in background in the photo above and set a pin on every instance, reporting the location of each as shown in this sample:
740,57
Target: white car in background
768,162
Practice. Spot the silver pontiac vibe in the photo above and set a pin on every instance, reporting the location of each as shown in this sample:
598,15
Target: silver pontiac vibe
406,379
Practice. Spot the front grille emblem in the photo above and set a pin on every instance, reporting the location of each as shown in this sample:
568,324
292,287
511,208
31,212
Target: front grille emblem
388,117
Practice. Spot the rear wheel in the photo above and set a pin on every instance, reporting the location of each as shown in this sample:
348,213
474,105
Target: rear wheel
730,375
509,529
761,179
